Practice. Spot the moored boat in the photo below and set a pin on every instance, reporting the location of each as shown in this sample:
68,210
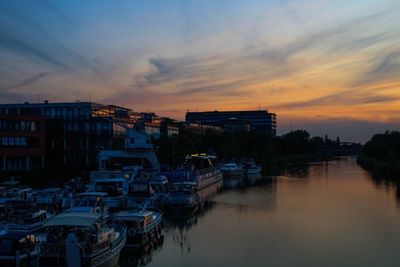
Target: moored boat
23,217
231,169
116,188
250,168
81,239
143,225
183,199
197,169
50,199
11,190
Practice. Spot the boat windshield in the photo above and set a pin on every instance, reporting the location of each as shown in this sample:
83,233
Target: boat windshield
178,188
87,201
159,188
139,187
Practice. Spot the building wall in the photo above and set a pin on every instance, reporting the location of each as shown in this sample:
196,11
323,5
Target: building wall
75,131
22,142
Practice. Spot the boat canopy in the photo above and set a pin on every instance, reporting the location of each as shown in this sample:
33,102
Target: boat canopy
73,219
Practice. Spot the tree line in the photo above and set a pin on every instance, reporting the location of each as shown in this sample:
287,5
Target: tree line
381,155
262,147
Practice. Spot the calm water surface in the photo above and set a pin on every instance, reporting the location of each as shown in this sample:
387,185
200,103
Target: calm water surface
327,214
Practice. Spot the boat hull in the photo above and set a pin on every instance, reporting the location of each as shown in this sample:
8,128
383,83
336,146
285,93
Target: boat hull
108,258
24,260
233,173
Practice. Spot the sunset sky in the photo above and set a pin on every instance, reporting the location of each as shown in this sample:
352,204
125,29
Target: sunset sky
328,66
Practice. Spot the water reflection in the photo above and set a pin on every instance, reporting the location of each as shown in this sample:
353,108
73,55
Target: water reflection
387,183
179,227
320,214
140,257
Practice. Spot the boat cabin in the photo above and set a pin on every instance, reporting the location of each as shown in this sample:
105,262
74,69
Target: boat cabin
50,199
91,202
81,239
22,216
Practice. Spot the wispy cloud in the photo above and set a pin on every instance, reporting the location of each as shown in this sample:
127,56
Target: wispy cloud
385,67
346,98
28,81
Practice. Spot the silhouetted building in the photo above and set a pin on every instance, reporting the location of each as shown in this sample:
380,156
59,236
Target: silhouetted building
66,134
22,142
200,128
258,120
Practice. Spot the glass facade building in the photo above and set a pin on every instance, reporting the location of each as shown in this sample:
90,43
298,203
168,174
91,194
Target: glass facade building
63,134
258,120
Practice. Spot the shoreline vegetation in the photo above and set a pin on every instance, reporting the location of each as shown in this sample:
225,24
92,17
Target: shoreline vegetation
381,156
273,153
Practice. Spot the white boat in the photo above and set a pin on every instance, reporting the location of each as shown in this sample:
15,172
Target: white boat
231,169
198,169
143,225
250,168
115,175
12,190
183,198
81,239
23,217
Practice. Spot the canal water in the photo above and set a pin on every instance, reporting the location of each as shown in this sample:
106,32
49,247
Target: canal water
323,214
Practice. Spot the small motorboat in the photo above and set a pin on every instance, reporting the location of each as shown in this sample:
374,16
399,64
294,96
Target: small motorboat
250,168
12,191
81,239
18,249
143,225
183,198
231,170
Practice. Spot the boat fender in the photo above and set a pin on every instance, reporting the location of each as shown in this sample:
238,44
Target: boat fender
131,232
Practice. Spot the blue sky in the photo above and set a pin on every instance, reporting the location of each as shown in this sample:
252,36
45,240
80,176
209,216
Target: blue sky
327,66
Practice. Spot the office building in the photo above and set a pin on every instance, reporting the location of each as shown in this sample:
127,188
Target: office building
59,134
257,120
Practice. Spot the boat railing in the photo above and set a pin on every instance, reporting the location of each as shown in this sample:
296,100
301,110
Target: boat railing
121,238
151,225
205,172
97,175
51,249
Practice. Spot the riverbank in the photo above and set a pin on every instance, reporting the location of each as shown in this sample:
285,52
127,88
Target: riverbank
381,156
384,169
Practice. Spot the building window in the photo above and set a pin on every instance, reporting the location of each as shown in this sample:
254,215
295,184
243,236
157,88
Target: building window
4,141
18,141
33,126
11,141
23,141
